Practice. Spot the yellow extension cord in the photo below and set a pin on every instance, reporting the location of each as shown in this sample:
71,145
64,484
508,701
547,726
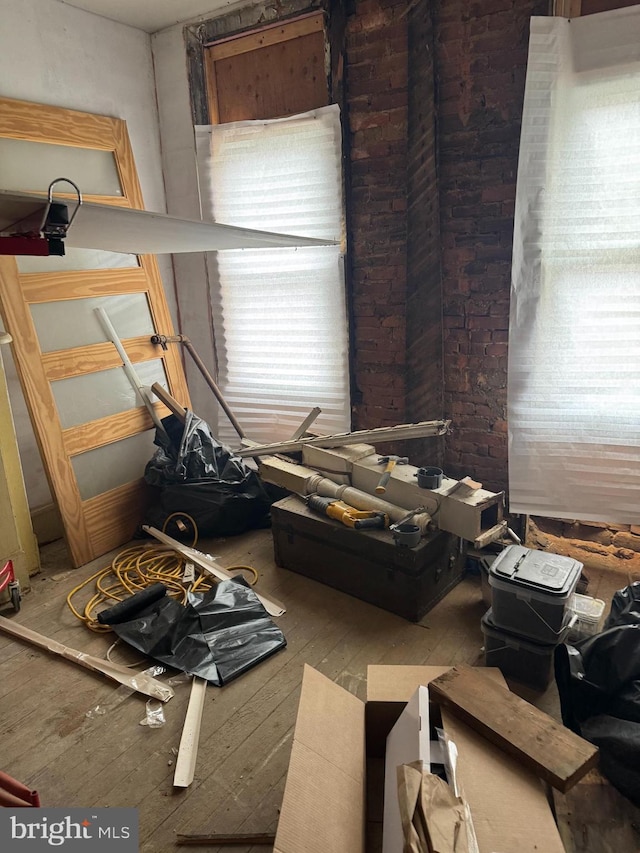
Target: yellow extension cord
137,568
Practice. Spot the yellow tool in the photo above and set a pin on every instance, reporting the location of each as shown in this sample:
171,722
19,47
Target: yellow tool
347,515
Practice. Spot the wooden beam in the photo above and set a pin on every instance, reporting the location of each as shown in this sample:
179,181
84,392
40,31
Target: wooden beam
170,402
397,433
123,675
188,751
306,423
539,743
209,565
266,36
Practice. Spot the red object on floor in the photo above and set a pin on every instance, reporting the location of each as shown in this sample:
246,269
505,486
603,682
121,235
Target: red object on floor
14,794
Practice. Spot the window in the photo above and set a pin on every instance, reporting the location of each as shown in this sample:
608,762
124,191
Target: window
574,348
272,159
279,315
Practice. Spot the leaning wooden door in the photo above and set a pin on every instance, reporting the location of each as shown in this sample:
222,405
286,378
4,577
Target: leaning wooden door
93,433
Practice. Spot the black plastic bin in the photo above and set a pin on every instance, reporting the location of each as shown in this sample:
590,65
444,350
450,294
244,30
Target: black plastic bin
517,657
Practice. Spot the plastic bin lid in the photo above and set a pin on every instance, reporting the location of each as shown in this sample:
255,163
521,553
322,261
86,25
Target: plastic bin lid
549,573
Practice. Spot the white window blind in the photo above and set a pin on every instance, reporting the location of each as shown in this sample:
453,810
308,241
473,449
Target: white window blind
574,343
279,315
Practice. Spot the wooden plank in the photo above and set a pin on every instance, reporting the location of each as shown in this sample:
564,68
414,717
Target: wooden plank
274,608
103,431
266,36
212,87
172,404
123,675
61,364
113,517
269,82
396,433
541,744
306,423
80,284
188,750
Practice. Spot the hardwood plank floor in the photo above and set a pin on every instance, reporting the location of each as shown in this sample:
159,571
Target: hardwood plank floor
50,744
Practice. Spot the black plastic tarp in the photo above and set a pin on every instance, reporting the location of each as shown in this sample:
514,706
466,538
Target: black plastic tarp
599,685
197,475
217,636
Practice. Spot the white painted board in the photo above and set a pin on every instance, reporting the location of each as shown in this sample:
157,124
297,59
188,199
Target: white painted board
408,741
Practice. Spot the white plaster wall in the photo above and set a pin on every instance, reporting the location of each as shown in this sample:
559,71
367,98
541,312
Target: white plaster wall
183,199
56,54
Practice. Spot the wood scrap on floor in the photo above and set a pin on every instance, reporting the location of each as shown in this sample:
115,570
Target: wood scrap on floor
544,746
123,675
188,751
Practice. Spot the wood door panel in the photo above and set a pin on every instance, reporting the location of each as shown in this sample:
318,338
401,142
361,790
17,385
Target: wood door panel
106,521
103,431
82,284
113,517
61,364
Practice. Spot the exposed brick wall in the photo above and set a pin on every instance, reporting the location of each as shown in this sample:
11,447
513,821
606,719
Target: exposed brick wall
424,279
376,87
481,55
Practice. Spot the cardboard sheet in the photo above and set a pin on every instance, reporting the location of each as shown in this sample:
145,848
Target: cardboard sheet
324,799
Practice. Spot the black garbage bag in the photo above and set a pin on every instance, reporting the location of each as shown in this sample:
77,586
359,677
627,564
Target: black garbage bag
599,685
197,475
625,607
619,744
217,636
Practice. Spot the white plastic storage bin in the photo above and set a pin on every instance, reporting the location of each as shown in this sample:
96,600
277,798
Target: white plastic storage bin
531,592
588,613
525,661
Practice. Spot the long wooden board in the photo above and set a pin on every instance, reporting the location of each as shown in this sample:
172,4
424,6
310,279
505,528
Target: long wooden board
541,744
145,684
396,433
188,751
209,565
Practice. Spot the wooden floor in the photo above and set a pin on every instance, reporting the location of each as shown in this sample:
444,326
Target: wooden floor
72,760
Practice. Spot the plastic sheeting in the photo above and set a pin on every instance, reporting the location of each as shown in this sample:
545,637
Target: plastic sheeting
217,636
199,476
599,684
574,329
